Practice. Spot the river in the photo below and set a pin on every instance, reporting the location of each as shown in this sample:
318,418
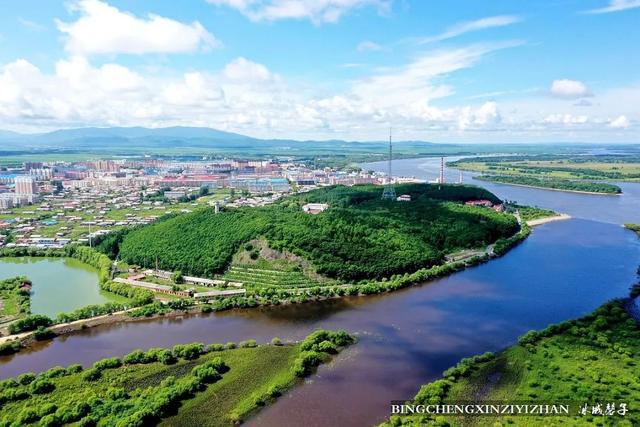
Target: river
563,270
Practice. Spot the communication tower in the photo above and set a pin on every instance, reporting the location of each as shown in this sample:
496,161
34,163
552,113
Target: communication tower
389,192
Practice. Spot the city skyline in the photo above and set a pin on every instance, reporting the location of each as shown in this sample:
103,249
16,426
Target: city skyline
339,69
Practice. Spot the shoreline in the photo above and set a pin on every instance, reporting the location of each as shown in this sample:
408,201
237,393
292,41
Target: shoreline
550,189
26,339
540,221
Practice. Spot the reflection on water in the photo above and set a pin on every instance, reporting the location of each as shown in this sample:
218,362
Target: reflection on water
59,284
612,209
406,338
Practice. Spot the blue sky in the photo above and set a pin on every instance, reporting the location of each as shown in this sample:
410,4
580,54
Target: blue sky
498,70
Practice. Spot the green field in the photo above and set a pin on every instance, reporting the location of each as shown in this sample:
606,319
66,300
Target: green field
359,237
528,213
191,384
571,167
553,183
592,360
253,373
14,301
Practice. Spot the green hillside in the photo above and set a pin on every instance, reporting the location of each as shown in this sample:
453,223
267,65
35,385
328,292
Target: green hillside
360,236
583,363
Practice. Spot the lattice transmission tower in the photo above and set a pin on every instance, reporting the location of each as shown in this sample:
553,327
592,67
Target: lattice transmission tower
389,192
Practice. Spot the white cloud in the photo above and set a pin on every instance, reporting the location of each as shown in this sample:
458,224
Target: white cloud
566,119
103,29
241,69
485,116
615,6
621,122
248,97
367,45
414,82
243,96
570,89
31,25
471,26
317,11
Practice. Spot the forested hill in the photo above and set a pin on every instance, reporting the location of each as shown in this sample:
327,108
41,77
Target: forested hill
359,237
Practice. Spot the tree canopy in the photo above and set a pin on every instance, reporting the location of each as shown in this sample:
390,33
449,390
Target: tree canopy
359,237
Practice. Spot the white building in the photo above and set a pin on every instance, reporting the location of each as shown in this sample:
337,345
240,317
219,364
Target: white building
26,185
315,208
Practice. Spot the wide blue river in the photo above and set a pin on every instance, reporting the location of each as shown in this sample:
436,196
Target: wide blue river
563,270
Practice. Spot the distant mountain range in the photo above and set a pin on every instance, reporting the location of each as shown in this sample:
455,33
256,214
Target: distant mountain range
174,140
122,133
187,141
199,141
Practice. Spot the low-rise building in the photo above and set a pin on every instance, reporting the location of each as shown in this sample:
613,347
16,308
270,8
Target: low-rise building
315,208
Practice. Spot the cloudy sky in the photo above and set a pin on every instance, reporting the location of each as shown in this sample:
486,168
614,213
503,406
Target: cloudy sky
460,70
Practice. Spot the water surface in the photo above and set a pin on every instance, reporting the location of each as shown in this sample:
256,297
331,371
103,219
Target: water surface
59,284
407,338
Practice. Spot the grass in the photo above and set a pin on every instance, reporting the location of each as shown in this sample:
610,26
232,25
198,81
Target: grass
8,305
529,213
254,371
582,186
586,361
116,391
14,303
633,227
561,167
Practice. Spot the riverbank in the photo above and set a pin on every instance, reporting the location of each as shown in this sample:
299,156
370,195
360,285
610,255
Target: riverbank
189,384
548,188
542,368
540,221
260,298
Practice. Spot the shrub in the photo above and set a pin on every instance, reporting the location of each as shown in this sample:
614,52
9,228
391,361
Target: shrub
215,347
50,420
177,277
10,347
26,378
276,341
248,344
91,374
189,351
27,416
528,338
230,345
74,369
341,338
117,393
306,361
166,357
29,323
110,363
136,356
46,409
327,347
43,333
55,372
42,386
